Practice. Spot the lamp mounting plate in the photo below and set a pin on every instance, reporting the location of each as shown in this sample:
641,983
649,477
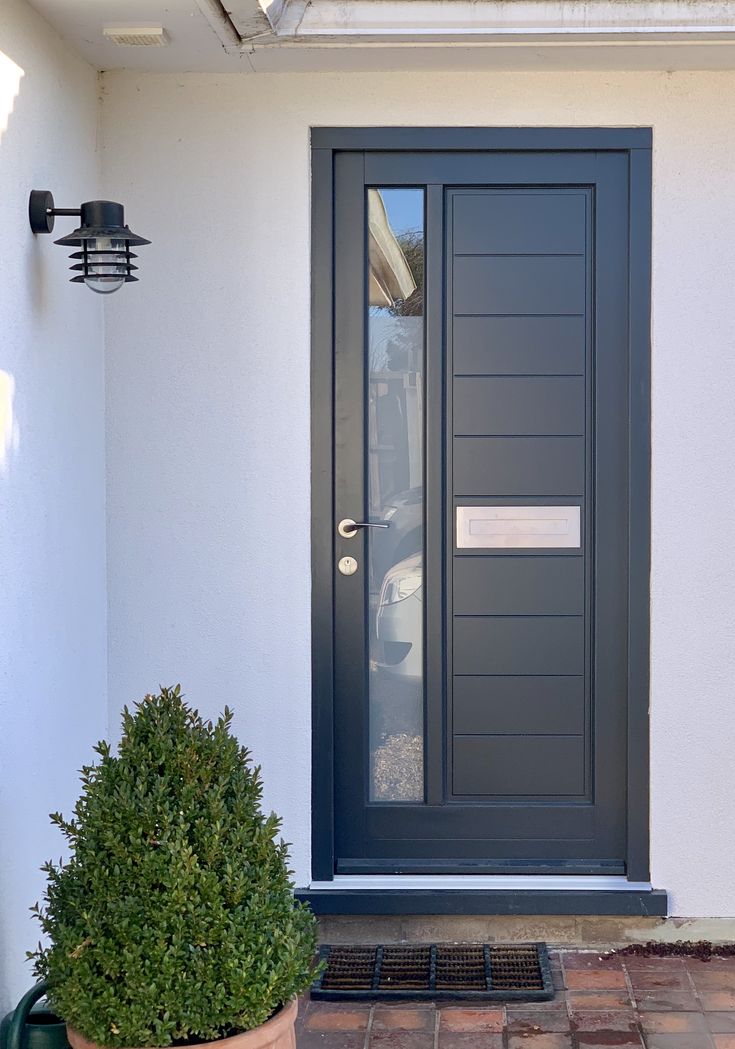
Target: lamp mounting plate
40,211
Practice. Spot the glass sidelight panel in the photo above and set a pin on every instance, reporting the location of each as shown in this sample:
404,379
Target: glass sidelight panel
395,492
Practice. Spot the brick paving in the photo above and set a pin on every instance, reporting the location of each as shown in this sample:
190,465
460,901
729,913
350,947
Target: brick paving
648,1003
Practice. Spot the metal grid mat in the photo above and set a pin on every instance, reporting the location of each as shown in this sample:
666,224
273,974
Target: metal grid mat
437,971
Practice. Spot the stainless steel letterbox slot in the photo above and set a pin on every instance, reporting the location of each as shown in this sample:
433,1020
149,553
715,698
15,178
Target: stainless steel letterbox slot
518,527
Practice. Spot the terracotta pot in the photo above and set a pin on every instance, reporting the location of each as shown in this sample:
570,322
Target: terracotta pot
276,1033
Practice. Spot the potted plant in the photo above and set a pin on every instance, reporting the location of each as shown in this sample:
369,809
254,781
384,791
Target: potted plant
174,919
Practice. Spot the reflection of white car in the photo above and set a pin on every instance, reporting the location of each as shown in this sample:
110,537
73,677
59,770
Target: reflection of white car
400,620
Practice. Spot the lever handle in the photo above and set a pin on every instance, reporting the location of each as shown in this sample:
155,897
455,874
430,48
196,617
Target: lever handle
347,527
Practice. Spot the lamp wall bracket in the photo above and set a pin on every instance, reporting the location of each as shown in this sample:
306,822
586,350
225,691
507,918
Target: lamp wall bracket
41,211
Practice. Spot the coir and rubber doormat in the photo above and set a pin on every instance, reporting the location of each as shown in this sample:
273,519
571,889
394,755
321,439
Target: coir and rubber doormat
437,971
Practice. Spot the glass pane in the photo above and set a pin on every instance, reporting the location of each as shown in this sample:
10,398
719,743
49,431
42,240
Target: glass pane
395,478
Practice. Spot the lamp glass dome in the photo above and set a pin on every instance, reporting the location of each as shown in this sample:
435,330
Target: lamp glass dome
106,265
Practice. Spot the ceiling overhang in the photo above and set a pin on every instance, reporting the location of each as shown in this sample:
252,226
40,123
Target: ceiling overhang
296,35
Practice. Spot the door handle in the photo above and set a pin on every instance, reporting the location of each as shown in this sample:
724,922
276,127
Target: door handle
347,527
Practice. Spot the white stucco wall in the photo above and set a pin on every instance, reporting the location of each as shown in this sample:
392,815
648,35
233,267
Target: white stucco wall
52,488
208,411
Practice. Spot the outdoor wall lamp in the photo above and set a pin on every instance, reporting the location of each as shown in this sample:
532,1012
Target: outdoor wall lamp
105,240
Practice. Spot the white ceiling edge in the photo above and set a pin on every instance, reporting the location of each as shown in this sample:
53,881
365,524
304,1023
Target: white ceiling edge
520,56
215,36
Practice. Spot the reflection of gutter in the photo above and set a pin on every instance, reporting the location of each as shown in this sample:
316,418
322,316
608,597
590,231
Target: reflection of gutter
390,275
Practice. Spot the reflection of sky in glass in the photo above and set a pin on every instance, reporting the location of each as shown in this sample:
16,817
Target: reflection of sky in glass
405,209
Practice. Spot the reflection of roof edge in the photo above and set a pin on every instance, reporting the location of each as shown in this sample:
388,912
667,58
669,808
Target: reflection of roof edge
390,274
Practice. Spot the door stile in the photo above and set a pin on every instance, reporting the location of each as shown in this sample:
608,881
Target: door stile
434,532
639,514
322,496
589,515
611,549
350,635
448,501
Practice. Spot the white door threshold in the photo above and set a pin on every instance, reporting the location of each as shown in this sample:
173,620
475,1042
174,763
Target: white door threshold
488,882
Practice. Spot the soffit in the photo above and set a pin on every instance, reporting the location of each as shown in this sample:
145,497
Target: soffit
377,35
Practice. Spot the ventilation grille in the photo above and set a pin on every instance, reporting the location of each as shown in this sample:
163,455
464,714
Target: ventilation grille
436,971
136,36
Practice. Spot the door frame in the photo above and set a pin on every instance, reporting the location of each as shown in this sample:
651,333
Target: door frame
636,143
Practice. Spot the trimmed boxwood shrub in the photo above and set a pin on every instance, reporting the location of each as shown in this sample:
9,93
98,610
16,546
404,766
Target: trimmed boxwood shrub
174,920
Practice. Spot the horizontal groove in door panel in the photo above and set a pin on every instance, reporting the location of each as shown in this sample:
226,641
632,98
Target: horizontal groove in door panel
518,254
549,406
524,285
519,345
518,735
528,222
540,585
520,645
471,436
513,315
519,466
511,375
503,765
502,705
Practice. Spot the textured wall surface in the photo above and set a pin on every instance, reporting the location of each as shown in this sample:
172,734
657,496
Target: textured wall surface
52,488
208,411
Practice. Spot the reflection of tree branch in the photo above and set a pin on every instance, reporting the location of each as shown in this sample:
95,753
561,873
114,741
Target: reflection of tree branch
412,246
